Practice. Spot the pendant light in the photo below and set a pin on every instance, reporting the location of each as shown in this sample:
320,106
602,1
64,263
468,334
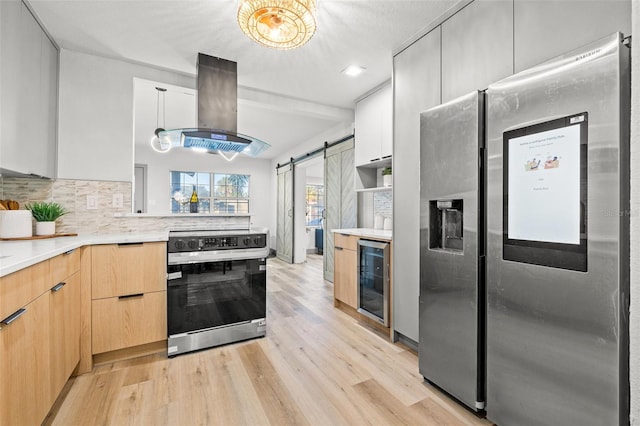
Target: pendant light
160,144
279,24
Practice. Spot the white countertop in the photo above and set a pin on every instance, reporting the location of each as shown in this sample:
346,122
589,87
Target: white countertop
16,255
367,232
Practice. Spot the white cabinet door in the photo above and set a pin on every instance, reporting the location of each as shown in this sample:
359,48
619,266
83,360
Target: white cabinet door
386,122
29,94
48,103
367,130
417,88
373,126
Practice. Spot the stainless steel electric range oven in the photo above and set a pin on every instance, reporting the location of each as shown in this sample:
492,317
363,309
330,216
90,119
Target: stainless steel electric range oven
216,288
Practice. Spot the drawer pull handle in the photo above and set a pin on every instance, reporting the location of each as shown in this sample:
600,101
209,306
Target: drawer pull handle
57,287
14,316
338,248
130,296
69,251
130,244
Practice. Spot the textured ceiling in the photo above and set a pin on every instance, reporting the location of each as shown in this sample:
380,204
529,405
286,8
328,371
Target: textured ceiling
169,34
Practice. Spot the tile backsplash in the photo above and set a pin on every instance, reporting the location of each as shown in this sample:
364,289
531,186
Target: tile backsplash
82,219
383,203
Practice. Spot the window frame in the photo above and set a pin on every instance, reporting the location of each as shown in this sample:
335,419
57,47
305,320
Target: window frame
207,198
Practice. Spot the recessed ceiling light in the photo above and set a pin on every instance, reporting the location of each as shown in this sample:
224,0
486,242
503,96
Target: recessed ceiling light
353,70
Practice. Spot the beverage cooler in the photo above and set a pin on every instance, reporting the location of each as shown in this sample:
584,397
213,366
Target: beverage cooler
373,280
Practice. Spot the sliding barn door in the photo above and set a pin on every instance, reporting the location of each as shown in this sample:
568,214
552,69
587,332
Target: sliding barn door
340,197
284,229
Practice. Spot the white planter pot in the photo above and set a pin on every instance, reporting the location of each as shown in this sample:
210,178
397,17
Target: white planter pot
387,180
45,228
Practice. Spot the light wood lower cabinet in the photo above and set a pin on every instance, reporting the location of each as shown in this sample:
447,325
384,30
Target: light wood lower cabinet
20,288
25,394
122,322
345,282
65,330
345,270
120,269
129,297
39,337
43,309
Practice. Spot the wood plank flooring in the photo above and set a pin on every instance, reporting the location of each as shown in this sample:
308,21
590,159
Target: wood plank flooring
316,366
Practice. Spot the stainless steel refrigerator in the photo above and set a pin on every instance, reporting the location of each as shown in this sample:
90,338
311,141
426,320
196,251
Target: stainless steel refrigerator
558,240
452,292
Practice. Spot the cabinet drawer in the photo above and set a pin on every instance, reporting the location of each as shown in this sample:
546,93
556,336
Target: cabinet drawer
124,322
349,242
23,286
120,269
64,265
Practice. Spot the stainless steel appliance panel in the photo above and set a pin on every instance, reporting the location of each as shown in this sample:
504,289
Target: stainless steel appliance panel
556,339
449,285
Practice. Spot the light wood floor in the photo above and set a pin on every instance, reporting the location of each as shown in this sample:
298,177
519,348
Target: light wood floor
316,366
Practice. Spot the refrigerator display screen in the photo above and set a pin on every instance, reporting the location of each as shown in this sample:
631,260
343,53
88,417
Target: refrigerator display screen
545,193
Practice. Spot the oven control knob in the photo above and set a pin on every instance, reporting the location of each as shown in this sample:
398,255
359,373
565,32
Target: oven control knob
179,244
246,241
257,240
193,244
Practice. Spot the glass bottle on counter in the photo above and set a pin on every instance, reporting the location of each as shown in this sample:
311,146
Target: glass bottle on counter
193,201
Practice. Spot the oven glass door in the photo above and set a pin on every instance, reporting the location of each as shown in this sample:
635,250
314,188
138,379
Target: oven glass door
213,294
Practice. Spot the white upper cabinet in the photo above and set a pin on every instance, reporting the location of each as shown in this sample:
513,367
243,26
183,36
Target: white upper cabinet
374,117
29,94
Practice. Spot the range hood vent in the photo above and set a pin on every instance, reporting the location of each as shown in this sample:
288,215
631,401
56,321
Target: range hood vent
217,113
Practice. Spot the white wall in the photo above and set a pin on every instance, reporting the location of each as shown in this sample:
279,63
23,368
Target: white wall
634,321
158,178
95,117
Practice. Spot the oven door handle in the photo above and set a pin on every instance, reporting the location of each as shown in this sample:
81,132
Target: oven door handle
174,275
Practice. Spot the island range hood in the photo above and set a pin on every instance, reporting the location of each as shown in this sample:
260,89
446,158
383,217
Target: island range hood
217,99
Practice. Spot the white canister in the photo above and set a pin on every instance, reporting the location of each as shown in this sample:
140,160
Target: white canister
378,221
15,224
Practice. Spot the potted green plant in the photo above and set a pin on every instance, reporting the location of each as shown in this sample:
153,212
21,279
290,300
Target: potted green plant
386,176
46,213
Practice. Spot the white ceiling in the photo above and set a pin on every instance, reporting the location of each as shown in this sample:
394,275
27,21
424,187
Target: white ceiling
169,34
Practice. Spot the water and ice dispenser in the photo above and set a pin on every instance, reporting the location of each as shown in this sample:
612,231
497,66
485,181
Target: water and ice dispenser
446,225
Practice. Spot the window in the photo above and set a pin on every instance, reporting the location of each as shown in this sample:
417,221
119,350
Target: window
231,193
217,193
315,204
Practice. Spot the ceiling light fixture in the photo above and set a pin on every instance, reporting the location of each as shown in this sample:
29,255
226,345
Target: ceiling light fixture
160,144
353,70
280,24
